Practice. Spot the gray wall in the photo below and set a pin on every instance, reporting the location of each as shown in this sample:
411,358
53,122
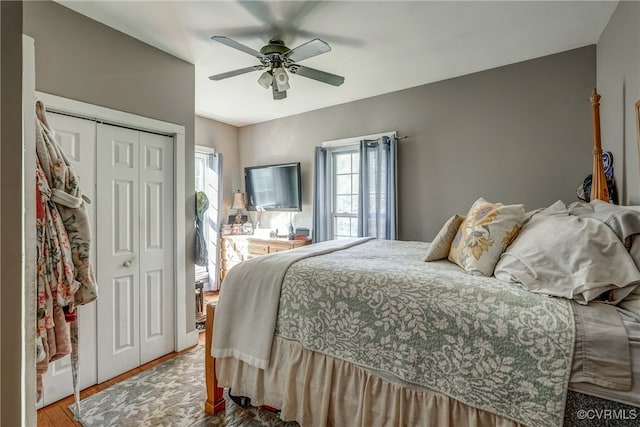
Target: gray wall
79,58
618,69
12,392
224,139
514,134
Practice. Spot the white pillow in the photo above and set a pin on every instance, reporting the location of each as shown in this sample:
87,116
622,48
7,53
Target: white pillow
632,302
569,256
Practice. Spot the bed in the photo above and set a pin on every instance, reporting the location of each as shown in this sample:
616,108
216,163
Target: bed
364,332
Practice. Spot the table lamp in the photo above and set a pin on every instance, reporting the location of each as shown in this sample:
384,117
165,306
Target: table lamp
238,205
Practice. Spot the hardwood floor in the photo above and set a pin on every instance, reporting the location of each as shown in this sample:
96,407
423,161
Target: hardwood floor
58,414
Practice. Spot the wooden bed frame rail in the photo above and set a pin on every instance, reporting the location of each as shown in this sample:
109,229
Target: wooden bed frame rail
215,400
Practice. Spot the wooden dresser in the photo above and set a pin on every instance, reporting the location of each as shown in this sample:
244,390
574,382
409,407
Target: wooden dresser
237,248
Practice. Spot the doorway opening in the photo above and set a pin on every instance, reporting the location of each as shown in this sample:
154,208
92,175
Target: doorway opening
208,179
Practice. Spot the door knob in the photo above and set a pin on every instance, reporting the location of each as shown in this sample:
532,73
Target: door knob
127,263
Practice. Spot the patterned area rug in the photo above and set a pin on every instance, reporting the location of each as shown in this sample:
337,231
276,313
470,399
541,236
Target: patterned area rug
173,393
170,394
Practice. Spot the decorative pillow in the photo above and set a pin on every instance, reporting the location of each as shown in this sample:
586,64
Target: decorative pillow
439,248
485,233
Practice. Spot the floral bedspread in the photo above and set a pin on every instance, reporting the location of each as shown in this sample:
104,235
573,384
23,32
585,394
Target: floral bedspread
486,343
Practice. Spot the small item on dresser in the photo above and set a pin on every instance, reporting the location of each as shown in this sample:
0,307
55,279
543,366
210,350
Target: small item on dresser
247,228
231,219
291,235
302,231
227,229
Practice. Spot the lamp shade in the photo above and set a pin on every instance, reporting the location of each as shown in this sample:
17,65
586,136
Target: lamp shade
265,79
281,79
238,201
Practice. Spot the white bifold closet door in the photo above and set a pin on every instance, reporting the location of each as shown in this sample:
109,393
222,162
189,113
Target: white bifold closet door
78,140
134,247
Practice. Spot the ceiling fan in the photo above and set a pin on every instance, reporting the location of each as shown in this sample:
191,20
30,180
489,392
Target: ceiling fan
276,58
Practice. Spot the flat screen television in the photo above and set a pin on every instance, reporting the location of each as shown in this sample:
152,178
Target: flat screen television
273,187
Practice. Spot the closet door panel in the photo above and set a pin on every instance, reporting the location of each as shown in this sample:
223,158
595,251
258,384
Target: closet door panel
78,140
156,246
118,250
128,175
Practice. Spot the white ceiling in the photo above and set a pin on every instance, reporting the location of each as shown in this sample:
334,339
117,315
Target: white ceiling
378,46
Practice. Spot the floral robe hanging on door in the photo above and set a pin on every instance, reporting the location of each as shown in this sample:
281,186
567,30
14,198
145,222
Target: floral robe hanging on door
67,195
56,285
65,276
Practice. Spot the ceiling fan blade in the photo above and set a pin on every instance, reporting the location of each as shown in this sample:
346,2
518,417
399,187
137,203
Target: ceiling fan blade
234,44
309,49
236,72
321,76
282,18
261,32
259,9
335,39
293,15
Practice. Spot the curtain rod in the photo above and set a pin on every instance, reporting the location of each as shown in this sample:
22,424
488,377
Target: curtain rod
398,138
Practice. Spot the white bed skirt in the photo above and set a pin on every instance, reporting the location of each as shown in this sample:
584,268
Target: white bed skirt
319,390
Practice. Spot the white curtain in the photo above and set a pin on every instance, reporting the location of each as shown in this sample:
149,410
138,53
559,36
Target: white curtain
214,163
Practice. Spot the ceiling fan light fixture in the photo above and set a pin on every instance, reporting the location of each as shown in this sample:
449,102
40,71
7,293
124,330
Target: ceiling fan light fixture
278,94
281,79
265,79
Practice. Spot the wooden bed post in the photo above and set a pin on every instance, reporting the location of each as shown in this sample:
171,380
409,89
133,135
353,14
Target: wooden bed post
215,399
599,189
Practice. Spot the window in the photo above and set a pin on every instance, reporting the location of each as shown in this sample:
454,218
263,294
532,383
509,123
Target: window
354,188
208,179
345,164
